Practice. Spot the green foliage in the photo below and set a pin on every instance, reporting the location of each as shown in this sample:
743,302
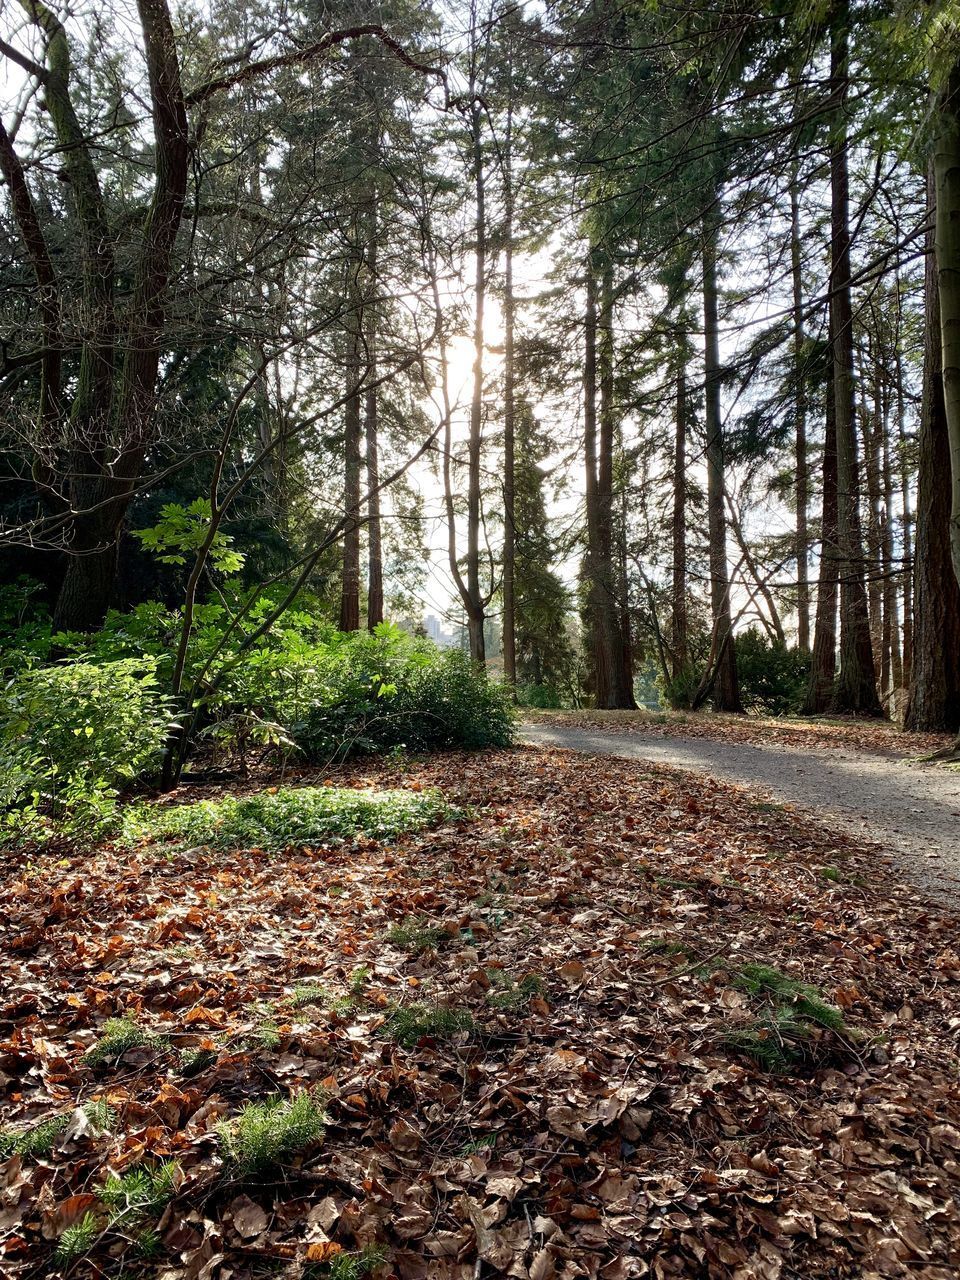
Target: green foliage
72,736
24,627
142,1191
773,677
782,1038
304,995
510,995
351,1266
385,690
267,1135
542,697
182,529
287,816
416,935
40,1139
119,1035
193,1060
410,1023
77,1240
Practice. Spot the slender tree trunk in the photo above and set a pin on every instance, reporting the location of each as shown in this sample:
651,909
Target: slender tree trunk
800,412
352,418
602,616
947,171
726,688
509,421
823,661
679,627
371,432
934,701
476,608
906,521
871,426
893,680
855,689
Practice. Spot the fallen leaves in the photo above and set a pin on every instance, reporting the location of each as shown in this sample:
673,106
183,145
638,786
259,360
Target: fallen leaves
600,1128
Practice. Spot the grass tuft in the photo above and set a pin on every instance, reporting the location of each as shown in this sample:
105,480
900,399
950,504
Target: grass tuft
351,1266
267,1135
511,996
410,1023
119,1035
289,816
416,935
40,1139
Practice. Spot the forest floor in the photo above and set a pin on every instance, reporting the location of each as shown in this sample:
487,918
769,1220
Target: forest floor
625,1076
861,777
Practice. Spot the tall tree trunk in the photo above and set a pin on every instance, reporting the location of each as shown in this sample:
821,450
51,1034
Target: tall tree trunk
352,419
476,605
947,171
823,660
600,603
612,531
679,626
871,420
509,420
891,614
802,492
934,700
726,688
371,432
855,689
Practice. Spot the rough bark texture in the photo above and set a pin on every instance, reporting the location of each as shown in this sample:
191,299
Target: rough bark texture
371,432
823,661
509,421
476,605
800,425
352,418
679,626
855,689
934,701
726,687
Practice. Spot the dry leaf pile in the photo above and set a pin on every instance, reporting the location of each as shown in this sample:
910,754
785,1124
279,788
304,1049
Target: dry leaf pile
878,737
597,1118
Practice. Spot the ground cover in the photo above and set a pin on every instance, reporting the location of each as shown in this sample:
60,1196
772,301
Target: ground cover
603,1020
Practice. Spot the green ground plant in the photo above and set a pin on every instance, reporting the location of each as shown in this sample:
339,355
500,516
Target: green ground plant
267,1135
410,1023
275,820
786,1034
119,1035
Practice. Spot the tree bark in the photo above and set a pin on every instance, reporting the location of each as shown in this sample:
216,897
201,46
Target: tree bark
509,419
476,610
726,688
679,626
371,432
855,689
934,699
802,491
823,660
352,418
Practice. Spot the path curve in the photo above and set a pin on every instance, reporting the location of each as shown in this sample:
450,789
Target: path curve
912,810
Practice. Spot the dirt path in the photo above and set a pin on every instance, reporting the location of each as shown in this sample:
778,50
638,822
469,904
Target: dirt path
912,810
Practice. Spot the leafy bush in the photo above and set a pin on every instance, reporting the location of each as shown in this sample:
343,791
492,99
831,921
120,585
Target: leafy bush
273,820
72,736
542,697
267,1135
24,626
388,690
773,677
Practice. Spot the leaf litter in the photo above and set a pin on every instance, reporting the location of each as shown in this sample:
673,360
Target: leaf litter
558,1083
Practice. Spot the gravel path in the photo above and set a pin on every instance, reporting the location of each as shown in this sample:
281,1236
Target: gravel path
912,810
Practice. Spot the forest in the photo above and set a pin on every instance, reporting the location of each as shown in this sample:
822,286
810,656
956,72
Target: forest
480,638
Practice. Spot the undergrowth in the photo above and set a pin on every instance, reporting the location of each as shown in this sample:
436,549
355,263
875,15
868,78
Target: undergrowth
274,820
266,1135
787,1033
410,1023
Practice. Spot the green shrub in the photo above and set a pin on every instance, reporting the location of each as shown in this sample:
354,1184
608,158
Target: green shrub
77,1240
39,1139
267,1135
289,816
378,692
416,935
773,677
542,697
783,1036
72,736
